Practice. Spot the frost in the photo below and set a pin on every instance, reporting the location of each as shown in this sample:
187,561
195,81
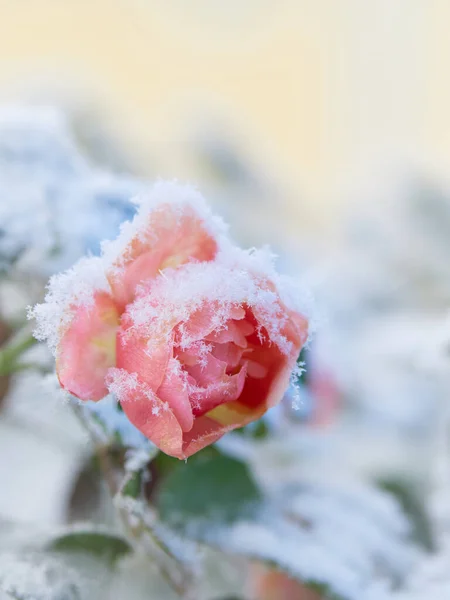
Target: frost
66,291
261,263
211,287
38,577
182,199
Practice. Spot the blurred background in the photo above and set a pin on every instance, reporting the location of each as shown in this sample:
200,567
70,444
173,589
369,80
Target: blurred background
319,127
308,94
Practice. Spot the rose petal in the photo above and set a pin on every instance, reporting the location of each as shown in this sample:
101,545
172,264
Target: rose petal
170,238
208,369
173,390
256,370
227,353
270,389
233,332
154,419
135,355
88,348
219,392
205,431
267,584
198,326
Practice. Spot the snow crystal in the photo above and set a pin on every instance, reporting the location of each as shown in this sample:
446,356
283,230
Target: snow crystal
261,263
204,286
66,291
181,198
120,383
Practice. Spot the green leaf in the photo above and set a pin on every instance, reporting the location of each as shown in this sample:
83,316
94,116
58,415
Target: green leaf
105,546
209,487
414,507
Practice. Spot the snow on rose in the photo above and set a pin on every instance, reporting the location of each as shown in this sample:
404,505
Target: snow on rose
194,336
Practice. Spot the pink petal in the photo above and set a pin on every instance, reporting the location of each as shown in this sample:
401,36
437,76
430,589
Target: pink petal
237,313
154,419
198,326
205,432
267,584
124,281
207,370
173,390
256,370
171,238
269,390
231,333
88,348
135,355
227,353
220,391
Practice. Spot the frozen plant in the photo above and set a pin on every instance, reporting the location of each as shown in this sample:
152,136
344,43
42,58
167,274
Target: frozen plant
54,205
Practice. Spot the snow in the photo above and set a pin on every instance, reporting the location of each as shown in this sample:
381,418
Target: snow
181,198
38,577
346,538
176,297
66,291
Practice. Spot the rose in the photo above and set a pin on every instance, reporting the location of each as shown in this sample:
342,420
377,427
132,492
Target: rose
204,350
193,341
268,584
82,312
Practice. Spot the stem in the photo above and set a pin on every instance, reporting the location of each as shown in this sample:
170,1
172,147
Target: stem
11,352
101,450
136,529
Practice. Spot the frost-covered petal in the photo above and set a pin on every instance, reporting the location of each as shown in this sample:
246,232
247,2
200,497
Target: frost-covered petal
173,390
169,236
147,358
87,348
233,331
148,413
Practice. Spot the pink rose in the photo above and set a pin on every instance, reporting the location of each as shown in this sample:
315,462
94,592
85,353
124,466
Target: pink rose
204,350
268,584
193,341
163,234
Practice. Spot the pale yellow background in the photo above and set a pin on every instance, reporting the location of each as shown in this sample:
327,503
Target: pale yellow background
315,91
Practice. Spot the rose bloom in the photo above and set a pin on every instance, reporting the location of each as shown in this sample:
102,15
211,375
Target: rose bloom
193,341
268,584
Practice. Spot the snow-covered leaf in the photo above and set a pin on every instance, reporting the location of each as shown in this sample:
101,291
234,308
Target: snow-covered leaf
105,546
